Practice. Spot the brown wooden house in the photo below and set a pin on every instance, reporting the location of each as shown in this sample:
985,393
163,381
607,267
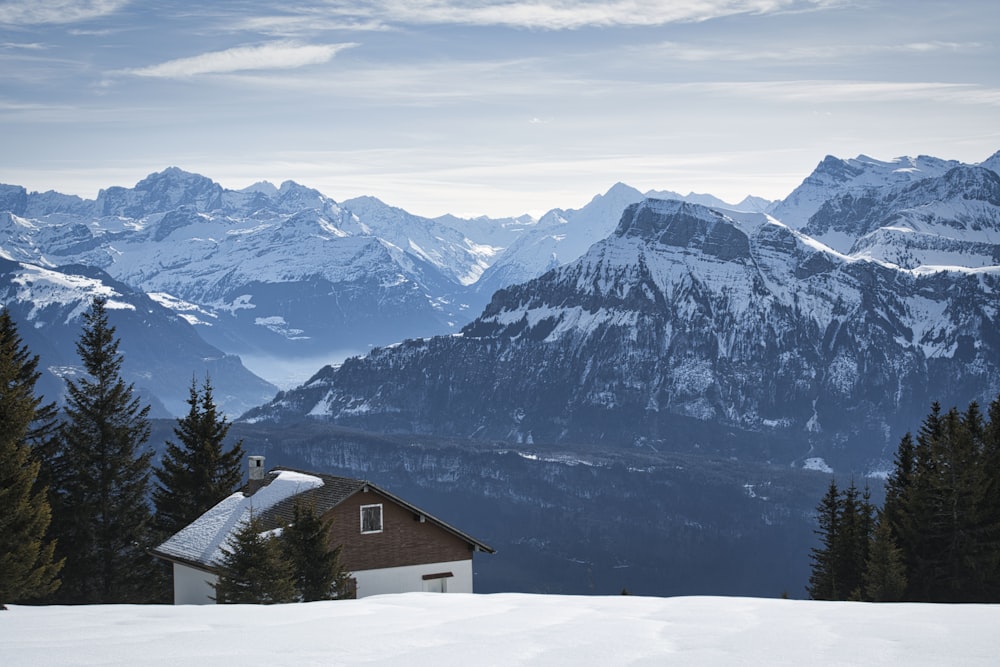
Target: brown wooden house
388,544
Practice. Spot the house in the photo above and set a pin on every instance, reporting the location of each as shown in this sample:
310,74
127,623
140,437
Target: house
388,545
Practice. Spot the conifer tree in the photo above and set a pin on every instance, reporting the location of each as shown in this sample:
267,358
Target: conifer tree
28,568
938,537
957,479
101,476
253,570
897,488
885,573
196,472
988,520
316,568
851,545
823,584
921,534
846,523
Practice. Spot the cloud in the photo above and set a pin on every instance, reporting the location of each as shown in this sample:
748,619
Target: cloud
538,14
278,55
307,21
33,46
802,54
569,14
825,91
31,12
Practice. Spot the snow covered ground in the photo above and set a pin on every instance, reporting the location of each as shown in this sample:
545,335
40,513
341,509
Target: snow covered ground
506,629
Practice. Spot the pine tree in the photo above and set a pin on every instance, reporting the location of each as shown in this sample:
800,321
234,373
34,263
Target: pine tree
28,569
988,519
897,490
852,541
941,520
316,568
922,535
101,477
962,440
885,573
941,509
823,584
196,472
253,570
846,523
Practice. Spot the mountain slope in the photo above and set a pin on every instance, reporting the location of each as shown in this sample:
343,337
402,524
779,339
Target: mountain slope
684,325
281,271
558,238
835,176
947,220
162,352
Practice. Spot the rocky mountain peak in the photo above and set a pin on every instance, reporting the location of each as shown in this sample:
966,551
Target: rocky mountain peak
973,183
684,225
160,192
833,170
13,198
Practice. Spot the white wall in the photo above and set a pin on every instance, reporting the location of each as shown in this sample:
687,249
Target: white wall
409,579
193,586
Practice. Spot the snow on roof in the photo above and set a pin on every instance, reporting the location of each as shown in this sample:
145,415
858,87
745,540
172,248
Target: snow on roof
203,541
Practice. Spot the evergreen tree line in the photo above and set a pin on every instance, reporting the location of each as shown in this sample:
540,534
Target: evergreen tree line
937,537
75,487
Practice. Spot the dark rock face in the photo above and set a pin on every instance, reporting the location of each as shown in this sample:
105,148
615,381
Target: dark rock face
163,191
687,329
13,198
860,213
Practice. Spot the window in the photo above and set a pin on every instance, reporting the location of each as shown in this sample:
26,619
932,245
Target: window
371,518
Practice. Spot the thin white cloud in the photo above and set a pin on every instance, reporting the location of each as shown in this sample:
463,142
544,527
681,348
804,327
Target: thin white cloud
802,54
568,14
309,21
32,12
33,46
274,56
557,14
824,91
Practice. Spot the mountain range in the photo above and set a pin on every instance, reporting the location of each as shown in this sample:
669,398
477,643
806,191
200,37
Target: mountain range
696,327
649,391
283,277
813,326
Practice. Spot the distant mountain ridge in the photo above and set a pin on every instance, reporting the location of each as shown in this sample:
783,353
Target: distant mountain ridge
284,275
162,352
690,323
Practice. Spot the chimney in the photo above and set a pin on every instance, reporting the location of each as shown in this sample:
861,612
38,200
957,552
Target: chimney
256,478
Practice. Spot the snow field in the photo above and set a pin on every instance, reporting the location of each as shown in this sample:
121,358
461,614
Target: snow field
417,629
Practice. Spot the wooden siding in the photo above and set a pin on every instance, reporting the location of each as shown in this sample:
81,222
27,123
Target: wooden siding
404,540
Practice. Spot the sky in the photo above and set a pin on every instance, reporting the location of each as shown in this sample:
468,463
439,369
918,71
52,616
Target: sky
489,107
417,629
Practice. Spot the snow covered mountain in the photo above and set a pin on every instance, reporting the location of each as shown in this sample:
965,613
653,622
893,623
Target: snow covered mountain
691,327
285,275
562,236
162,352
834,176
558,238
947,220
281,273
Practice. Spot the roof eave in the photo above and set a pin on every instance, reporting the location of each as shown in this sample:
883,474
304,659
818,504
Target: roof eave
473,542
180,560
